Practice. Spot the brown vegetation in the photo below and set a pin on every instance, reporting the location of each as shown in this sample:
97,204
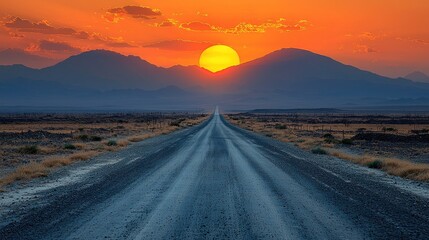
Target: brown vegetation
322,134
34,145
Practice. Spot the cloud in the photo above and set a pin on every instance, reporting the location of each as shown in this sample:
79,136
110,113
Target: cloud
414,40
197,26
245,27
56,46
116,14
15,35
111,41
82,35
368,36
43,27
279,24
180,45
119,44
167,23
361,48
24,25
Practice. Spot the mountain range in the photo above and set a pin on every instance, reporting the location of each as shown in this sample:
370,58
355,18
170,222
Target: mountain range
283,79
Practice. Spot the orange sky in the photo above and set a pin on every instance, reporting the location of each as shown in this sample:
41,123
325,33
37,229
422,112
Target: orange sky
389,37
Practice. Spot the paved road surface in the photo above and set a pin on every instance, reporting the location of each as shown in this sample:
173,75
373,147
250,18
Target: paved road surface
216,181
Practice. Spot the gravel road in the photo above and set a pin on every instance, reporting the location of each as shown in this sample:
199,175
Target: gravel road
216,181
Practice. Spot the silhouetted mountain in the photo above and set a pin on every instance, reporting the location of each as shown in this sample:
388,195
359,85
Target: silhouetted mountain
101,69
288,78
295,77
17,56
417,77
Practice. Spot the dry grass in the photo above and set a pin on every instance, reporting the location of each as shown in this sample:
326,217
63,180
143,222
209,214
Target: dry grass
393,166
138,138
123,143
81,146
25,172
42,169
359,159
51,155
415,171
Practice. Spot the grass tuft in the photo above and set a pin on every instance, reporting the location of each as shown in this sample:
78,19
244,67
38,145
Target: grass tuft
347,141
29,150
70,146
319,150
377,164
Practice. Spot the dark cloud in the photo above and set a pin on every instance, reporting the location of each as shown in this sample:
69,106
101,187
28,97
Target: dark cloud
180,45
197,26
24,25
57,46
115,14
82,35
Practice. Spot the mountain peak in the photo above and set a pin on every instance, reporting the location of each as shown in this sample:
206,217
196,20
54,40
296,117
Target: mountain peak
289,54
102,53
417,76
103,58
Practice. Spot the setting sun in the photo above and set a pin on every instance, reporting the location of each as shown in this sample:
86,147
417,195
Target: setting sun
219,57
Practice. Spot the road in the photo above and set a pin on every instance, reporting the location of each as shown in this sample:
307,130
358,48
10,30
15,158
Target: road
216,181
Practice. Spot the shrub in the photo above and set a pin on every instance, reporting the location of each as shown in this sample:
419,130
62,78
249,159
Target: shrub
29,150
176,123
83,137
69,146
331,140
422,131
389,129
328,136
347,141
361,130
377,164
319,151
112,143
280,126
95,138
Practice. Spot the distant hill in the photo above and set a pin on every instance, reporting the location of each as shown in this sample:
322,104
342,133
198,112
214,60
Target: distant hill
297,110
417,77
17,56
287,78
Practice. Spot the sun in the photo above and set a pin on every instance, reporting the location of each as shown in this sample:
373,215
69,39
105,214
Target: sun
219,57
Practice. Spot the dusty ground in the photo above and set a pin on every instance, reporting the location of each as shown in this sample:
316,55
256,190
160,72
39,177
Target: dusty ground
215,181
60,139
350,136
